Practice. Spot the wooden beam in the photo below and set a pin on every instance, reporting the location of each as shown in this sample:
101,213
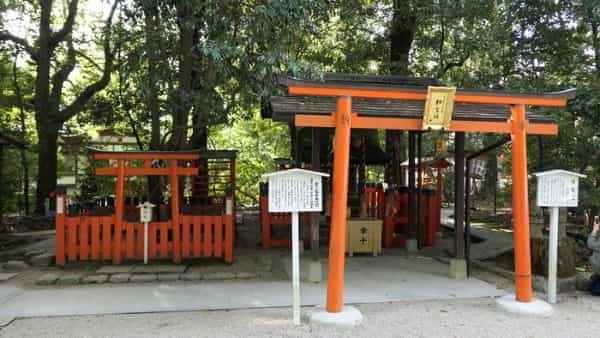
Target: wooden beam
145,156
112,171
391,123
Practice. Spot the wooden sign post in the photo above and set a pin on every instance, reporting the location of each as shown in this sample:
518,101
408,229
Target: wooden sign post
556,188
146,217
295,190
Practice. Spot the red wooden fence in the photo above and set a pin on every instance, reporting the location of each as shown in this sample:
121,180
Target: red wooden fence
93,238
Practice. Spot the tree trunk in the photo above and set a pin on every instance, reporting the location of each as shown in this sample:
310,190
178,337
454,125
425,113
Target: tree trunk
394,149
183,101
23,150
152,22
47,138
47,162
401,33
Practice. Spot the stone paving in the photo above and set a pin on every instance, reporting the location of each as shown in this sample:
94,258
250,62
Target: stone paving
4,276
247,265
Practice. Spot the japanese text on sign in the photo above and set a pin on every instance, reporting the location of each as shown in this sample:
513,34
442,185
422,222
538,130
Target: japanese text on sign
295,192
557,191
439,107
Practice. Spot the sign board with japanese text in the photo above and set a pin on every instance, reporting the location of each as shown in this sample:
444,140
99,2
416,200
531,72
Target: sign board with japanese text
439,107
295,190
558,188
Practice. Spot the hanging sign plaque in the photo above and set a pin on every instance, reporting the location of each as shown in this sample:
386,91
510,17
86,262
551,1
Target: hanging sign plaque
438,108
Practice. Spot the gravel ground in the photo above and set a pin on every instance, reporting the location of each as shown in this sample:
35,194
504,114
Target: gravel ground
577,315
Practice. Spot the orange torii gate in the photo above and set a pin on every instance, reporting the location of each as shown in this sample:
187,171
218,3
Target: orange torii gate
343,119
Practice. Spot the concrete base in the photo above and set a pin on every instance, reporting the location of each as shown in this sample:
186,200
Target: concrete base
457,268
314,271
350,316
412,246
536,307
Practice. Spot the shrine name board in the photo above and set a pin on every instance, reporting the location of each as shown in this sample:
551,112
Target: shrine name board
558,189
439,107
295,190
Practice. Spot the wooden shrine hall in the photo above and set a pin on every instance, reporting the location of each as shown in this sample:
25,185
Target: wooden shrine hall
345,102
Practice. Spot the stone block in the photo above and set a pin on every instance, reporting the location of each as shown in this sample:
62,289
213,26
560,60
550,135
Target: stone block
42,260
219,275
112,269
168,277
33,253
94,279
582,280
120,278
457,268
192,276
245,275
313,271
15,266
143,278
412,245
69,279
159,269
4,276
310,271
47,279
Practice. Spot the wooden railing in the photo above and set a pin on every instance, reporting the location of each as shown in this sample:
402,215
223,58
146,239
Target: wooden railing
93,238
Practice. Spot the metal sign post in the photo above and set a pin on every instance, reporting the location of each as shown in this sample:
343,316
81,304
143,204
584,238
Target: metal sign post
295,190
556,188
296,267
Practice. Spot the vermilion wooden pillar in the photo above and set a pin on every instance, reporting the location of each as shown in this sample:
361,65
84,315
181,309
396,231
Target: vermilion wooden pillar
337,241
520,204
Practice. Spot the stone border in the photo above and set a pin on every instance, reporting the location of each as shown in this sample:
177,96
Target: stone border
538,282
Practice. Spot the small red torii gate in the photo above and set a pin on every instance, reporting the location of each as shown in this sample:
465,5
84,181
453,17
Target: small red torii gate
86,236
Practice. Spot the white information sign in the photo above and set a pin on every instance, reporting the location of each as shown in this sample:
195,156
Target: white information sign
295,190
556,188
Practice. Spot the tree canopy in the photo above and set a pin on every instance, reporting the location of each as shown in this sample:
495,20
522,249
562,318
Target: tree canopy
193,73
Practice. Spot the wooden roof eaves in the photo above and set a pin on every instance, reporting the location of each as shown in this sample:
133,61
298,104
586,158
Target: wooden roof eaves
284,108
419,92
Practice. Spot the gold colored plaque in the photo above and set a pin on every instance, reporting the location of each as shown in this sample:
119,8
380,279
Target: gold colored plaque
438,108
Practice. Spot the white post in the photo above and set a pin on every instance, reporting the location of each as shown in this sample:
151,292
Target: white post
145,242
296,267
552,255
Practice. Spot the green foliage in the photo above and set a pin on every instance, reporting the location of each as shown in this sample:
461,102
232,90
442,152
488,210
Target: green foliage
258,141
219,79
